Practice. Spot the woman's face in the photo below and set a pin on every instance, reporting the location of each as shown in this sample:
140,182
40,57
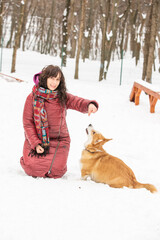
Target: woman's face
53,82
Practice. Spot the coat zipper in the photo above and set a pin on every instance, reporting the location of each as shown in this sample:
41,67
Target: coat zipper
56,146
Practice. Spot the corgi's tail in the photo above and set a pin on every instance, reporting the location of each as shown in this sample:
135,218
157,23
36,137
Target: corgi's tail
149,187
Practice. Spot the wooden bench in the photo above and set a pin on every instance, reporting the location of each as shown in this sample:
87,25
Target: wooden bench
150,90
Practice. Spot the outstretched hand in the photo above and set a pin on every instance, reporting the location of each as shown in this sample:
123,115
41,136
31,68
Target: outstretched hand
91,109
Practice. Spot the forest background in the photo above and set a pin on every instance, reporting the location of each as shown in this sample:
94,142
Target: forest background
89,29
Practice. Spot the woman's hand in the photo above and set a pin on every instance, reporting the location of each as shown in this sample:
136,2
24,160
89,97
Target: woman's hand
91,109
39,149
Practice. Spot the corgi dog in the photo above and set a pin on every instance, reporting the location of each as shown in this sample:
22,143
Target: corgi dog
102,167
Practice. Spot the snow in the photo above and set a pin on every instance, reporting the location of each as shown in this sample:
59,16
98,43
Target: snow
149,85
109,35
144,15
65,12
70,208
86,33
121,15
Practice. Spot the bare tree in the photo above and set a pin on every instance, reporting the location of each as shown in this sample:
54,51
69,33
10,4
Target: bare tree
72,29
112,36
1,18
17,35
4,9
105,15
83,6
30,9
151,55
50,30
14,10
89,28
65,33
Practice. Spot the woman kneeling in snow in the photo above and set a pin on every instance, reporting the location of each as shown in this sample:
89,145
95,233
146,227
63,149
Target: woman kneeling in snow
47,139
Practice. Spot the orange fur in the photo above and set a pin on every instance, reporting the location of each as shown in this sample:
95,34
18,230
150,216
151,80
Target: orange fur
105,168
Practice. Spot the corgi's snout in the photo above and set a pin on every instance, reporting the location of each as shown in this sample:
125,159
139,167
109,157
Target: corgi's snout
89,128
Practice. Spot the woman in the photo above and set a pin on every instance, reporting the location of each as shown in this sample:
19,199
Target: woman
47,139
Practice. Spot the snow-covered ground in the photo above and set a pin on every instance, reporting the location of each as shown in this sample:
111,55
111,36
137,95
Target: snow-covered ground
69,208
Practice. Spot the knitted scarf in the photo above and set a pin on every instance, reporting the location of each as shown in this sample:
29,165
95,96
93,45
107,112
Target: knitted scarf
40,115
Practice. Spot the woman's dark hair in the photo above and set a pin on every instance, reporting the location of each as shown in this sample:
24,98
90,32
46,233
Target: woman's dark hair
52,71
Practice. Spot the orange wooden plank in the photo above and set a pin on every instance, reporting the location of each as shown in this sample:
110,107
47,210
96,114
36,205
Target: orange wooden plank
153,95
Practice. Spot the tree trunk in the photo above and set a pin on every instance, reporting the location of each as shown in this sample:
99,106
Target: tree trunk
9,43
133,41
111,44
71,17
146,43
29,26
96,45
50,30
90,24
101,72
65,33
23,27
72,30
126,13
152,40
41,36
17,37
83,5
137,52
1,19
105,15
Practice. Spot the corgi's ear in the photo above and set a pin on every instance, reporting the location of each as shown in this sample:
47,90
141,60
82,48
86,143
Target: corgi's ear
107,140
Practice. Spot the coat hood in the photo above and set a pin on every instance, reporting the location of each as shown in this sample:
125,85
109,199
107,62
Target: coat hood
36,78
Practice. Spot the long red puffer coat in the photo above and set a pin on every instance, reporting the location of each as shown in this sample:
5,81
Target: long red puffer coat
58,133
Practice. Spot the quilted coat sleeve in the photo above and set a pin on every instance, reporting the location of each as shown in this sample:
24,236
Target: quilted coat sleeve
28,123
78,103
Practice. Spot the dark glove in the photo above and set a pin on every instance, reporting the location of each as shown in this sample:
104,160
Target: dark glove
33,152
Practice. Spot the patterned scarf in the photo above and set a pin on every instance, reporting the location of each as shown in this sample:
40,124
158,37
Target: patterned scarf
40,114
